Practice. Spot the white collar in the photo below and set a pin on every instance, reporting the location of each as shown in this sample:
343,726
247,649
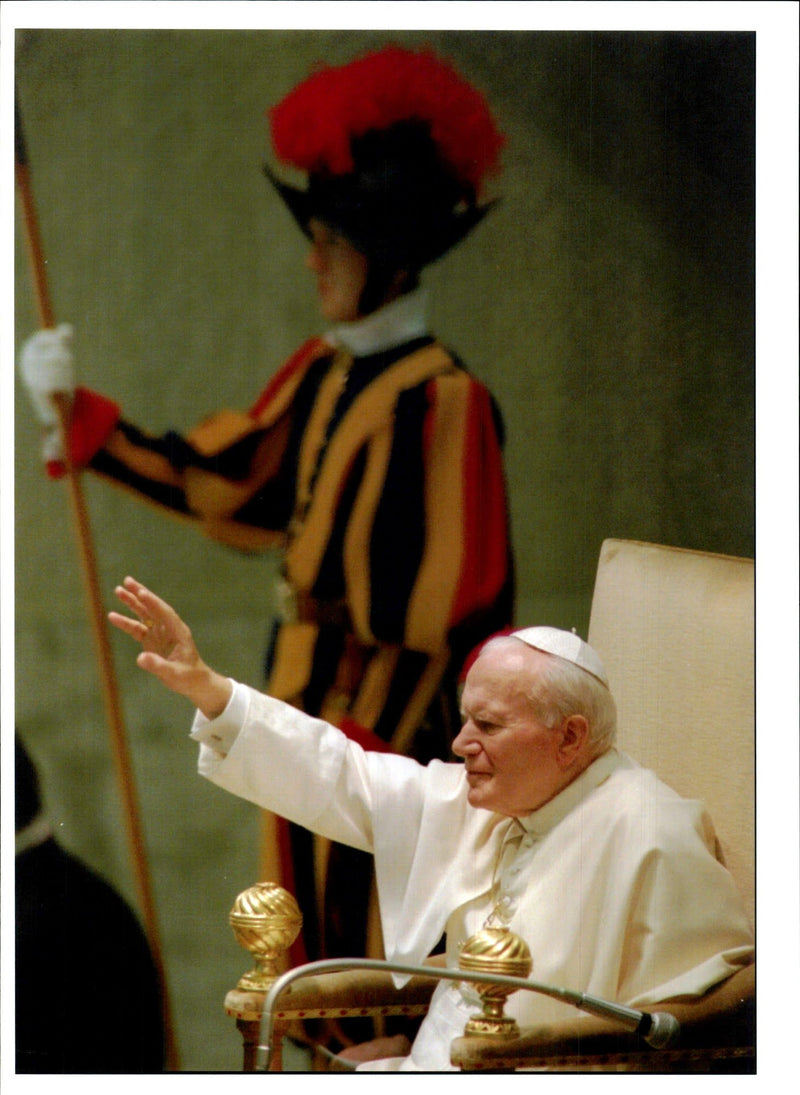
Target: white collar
541,821
395,323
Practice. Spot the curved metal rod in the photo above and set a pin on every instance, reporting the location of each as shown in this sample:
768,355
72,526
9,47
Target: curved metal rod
658,1029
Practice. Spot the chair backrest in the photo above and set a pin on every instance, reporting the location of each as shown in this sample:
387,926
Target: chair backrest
675,629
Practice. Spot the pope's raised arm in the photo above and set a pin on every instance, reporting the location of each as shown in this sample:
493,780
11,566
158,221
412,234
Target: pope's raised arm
168,649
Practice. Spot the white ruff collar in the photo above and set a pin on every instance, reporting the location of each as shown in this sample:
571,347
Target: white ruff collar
392,325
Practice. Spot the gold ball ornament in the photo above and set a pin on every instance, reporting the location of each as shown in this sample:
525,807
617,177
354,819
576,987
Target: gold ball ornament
501,952
265,920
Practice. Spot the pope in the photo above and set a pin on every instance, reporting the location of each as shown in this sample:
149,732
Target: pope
610,877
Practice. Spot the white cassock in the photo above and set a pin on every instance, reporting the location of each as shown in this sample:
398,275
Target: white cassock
614,884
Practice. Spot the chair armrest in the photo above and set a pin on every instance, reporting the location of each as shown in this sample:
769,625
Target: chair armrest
353,993
341,994
331,996
542,1046
724,1016
717,1025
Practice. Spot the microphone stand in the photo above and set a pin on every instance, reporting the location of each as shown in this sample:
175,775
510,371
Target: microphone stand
659,1029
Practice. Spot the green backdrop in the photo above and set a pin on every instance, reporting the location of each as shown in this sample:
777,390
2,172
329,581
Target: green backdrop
607,302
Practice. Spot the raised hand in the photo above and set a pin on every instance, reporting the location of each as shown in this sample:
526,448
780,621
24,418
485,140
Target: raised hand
168,649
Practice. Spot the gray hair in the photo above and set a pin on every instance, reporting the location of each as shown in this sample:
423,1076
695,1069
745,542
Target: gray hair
561,689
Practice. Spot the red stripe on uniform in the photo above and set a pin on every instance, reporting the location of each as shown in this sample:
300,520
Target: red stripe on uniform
485,555
302,358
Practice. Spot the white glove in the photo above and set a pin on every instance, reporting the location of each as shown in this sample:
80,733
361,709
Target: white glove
46,366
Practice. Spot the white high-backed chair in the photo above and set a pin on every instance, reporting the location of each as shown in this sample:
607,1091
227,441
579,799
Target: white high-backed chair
675,629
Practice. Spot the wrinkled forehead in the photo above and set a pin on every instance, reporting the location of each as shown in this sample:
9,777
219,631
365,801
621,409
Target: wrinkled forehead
503,674
506,658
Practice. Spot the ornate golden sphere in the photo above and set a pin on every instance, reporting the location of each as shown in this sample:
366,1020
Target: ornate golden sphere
501,952
265,920
496,950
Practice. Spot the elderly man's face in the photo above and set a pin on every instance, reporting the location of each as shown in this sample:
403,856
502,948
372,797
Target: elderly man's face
514,763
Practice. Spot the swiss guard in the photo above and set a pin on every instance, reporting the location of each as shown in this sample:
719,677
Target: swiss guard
372,460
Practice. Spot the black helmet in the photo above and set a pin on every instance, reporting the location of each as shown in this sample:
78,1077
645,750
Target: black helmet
395,146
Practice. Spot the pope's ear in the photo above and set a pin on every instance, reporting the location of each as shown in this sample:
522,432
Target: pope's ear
573,738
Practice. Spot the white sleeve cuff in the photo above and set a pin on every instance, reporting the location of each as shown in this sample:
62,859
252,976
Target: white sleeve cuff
220,733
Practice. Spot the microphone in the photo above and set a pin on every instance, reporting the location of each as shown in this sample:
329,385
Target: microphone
663,1029
658,1029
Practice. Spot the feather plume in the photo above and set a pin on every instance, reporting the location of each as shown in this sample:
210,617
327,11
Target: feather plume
314,125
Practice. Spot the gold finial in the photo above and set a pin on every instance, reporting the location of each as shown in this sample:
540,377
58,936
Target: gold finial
266,920
498,951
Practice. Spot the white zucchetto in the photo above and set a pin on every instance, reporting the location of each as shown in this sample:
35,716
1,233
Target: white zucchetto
564,644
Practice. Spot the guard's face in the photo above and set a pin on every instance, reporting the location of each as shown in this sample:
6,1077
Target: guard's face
341,273
511,759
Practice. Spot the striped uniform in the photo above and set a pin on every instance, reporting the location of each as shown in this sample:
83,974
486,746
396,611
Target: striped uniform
381,480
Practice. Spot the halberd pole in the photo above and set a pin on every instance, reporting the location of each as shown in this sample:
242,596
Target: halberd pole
85,545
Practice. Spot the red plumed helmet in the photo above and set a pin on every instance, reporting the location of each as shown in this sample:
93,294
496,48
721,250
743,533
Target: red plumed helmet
397,146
